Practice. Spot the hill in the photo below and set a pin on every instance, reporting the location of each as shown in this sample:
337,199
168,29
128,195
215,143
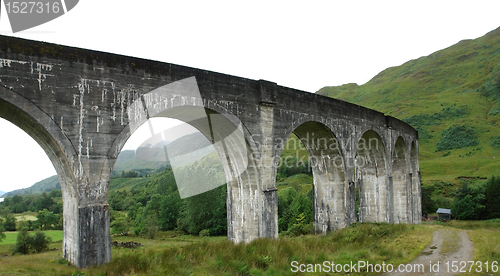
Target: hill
452,97
152,160
2,192
127,161
45,185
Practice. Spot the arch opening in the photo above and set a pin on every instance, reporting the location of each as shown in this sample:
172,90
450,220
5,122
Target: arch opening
21,154
372,179
45,136
210,164
326,163
294,183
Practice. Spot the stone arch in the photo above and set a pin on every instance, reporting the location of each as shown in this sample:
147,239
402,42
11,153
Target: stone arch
372,178
246,218
400,181
415,188
36,123
329,182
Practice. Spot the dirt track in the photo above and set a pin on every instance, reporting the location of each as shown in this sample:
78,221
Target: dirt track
446,247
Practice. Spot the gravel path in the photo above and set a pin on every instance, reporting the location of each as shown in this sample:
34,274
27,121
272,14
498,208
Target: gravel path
446,247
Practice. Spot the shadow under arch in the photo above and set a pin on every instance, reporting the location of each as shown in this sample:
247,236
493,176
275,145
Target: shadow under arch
400,182
48,135
372,178
330,189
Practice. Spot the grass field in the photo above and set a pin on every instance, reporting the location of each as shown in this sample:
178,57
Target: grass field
10,237
26,216
172,253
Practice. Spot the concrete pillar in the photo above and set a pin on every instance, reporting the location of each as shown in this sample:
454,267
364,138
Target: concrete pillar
418,199
350,201
86,237
267,153
87,240
95,240
390,201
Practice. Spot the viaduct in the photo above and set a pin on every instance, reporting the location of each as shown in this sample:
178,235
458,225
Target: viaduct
76,104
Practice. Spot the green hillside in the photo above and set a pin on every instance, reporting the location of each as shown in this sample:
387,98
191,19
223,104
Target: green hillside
452,98
128,161
45,185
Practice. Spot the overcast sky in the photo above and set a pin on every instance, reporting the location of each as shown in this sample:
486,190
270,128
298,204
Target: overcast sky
299,44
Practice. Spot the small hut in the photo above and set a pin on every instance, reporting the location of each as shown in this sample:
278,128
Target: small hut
444,214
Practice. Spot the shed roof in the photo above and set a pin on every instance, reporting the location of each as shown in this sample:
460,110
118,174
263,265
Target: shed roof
443,211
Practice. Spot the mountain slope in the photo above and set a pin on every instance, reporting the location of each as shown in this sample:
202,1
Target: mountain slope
451,97
45,185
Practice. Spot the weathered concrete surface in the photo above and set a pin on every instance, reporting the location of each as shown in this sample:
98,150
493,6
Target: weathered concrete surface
81,106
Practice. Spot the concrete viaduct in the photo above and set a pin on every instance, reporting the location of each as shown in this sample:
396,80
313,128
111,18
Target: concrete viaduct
76,104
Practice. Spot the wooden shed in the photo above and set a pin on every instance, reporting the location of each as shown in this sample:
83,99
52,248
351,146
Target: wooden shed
444,214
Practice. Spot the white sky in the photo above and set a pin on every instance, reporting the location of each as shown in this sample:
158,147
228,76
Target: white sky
299,44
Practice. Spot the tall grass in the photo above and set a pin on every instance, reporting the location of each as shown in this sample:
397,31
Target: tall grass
175,254
373,242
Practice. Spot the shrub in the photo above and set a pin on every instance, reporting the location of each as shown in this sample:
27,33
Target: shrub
204,233
40,242
457,137
26,243
495,142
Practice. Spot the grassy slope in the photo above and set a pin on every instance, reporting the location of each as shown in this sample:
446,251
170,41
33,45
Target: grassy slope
456,77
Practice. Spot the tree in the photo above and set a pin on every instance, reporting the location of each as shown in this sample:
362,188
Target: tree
428,204
120,225
17,199
40,242
2,235
169,210
154,204
10,223
492,193
285,199
469,202
133,210
23,242
44,202
55,193
205,211
46,219
150,225
301,216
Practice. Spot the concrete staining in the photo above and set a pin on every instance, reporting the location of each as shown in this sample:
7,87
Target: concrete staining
81,106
